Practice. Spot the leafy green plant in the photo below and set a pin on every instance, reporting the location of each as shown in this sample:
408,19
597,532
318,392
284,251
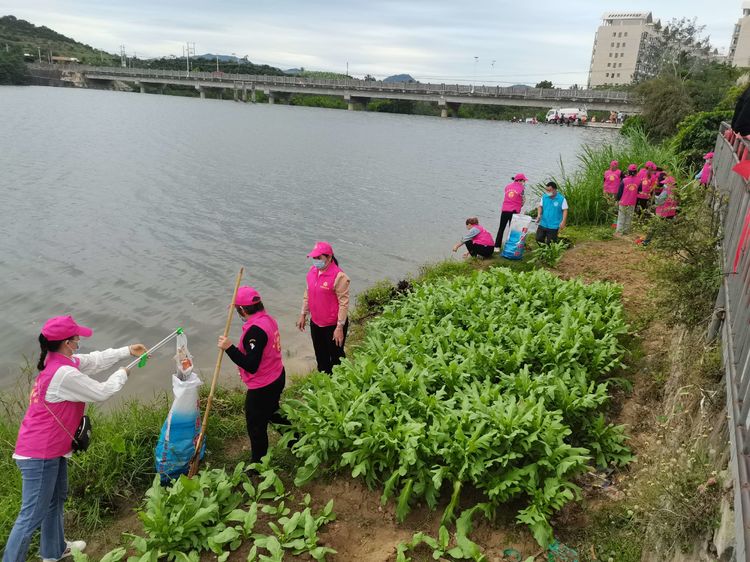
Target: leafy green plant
487,384
548,254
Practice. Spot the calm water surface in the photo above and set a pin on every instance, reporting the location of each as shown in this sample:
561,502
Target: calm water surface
134,212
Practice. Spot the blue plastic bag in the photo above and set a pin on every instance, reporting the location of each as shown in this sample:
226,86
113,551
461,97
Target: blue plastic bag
515,245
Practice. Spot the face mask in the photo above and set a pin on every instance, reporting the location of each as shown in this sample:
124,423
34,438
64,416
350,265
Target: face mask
77,349
320,264
549,193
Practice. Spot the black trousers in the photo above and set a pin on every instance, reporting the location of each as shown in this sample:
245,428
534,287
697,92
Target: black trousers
546,235
327,353
479,249
505,218
262,407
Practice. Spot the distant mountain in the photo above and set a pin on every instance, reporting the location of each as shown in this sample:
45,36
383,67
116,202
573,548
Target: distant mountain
294,71
223,58
399,78
23,36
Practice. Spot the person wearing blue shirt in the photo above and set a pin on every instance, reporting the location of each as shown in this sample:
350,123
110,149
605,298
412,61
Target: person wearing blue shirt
552,214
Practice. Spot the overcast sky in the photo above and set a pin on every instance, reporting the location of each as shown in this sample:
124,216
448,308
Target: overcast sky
433,40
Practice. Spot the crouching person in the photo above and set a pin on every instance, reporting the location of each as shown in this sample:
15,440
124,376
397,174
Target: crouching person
478,241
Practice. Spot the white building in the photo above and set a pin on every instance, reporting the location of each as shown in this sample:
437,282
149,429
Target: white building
739,49
617,56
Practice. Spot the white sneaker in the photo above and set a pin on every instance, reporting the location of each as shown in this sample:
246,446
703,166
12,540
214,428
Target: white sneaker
70,546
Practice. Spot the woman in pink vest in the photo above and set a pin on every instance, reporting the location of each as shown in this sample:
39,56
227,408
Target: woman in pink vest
258,360
705,175
612,179
478,241
647,183
512,204
327,301
627,198
45,439
666,205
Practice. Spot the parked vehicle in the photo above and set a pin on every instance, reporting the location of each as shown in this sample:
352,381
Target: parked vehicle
566,113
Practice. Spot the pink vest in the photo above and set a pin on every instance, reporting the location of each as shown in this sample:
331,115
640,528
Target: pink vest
484,238
669,207
270,363
629,191
40,435
513,200
647,183
612,181
321,295
706,174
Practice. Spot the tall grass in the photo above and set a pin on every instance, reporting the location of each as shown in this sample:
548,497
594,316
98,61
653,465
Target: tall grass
583,188
119,464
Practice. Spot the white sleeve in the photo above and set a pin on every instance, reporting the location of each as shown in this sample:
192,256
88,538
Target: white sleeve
565,204
97,361
71,385
541,202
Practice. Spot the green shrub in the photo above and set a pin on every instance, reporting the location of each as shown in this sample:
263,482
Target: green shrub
548,254
696,135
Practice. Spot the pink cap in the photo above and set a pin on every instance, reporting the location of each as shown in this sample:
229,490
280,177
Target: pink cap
614,163
708,155
320,249
669,180
632,168
650,165
64,327
520,177
246,296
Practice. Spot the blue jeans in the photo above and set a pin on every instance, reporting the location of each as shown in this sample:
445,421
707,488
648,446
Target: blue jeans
43,493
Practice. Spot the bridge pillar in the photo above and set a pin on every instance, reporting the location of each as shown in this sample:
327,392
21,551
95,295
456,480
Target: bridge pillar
244,92
271,97
202,91
253,97
141,86
442,104
235,93
351,100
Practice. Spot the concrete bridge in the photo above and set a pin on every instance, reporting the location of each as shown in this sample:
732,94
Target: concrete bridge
447,96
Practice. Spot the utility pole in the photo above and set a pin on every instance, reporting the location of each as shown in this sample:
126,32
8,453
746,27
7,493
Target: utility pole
347,69
217,63
39,51
123,62
476,60
189,49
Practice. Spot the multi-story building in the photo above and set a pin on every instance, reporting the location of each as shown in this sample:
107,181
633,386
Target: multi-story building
619,47
739,48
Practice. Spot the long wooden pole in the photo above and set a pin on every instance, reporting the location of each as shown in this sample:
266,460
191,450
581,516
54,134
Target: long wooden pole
195,461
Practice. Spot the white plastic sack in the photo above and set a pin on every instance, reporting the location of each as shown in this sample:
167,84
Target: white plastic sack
181,428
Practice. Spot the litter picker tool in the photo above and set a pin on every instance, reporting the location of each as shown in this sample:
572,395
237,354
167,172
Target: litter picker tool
143,359
195,461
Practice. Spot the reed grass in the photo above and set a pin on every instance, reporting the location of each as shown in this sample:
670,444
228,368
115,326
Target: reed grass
583,188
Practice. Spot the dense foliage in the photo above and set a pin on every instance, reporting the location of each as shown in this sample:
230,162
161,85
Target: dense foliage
696,134
495,381
12,69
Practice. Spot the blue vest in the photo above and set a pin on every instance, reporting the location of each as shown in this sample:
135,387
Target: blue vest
552,211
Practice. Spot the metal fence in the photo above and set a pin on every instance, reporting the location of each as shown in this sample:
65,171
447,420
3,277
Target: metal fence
519,92
733,303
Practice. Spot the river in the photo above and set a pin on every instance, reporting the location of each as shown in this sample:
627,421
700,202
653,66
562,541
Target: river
133,212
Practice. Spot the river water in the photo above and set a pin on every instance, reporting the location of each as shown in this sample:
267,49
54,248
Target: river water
134,212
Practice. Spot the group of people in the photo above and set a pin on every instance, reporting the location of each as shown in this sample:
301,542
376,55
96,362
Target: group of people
644,190
64,386
552,216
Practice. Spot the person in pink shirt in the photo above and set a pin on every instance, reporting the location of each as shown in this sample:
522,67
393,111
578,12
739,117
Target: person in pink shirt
47,433
707,171
258,360
512,204
478,241
612,179
627,198
326,299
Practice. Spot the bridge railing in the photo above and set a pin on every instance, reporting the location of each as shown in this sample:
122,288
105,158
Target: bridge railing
733,208
547,94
